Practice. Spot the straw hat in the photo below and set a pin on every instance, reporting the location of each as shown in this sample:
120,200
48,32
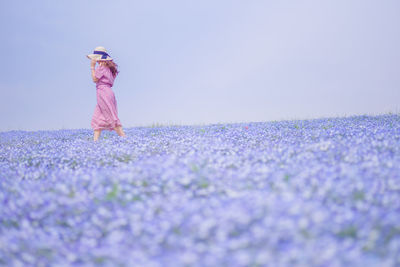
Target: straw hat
99,53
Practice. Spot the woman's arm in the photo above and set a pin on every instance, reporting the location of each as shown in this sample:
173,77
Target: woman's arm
92,65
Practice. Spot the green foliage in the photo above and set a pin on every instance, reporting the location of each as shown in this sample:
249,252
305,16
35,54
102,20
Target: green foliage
350,231
113,193
358,195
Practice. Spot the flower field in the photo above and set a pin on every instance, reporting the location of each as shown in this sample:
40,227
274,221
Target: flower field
322,192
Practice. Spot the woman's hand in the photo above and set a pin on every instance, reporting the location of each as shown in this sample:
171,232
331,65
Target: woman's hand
93,63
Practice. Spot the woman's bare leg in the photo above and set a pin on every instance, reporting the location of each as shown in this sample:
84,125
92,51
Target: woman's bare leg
119,131
96,135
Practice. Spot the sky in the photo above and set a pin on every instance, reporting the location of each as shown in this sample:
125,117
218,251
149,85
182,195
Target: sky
185,62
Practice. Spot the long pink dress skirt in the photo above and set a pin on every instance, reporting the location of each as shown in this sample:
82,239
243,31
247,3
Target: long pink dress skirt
105,115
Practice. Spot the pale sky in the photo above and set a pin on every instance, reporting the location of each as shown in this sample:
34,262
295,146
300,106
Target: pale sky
199,62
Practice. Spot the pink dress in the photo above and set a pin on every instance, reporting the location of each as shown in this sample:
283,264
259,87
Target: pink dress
105,115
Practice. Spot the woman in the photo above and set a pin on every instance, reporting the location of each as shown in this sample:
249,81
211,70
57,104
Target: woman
105,115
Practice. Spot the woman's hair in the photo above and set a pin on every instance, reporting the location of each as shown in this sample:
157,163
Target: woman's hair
113,67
